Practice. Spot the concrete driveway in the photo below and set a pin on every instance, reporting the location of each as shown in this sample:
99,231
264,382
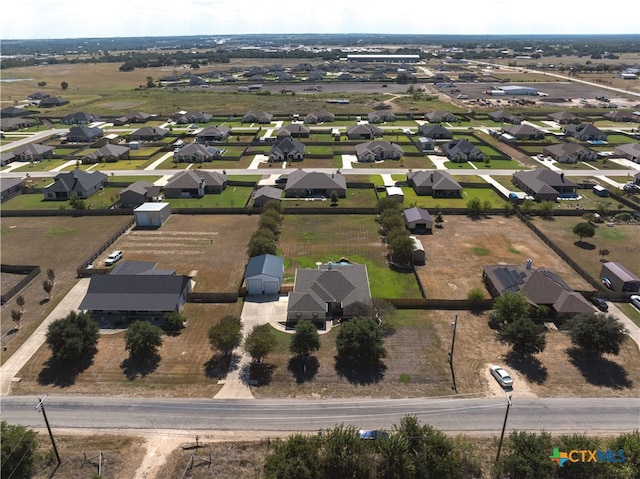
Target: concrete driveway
633,328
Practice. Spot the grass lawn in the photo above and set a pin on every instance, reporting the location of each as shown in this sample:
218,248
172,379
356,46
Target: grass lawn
44,165
231,197
356,198
484,194
307,239
100,200
133,179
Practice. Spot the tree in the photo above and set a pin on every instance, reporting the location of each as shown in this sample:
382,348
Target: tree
604,252
360,339
345,455
73,337
142,339
391,218
507,208
584,230
474,205
527,456
439,220
546,209
334,198
64,85
525,336
226,335
51,275
486,206
77,204
401,249
510,307
260,342
150,82
305,340
260,245
269,222
20,302
395,459
295,458
18,446
597,333
48,287
16,315
42,84
526,207
174,321
387,203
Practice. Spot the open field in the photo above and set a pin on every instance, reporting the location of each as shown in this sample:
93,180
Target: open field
457,252
59,243
211,248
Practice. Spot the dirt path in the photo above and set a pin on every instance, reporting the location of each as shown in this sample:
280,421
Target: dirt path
159,448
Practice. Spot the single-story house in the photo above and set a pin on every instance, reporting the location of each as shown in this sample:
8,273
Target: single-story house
436,183
10,188
79,118
620,278
184,117
332,291
12,124
13,112
139,193
287,149
440,117
108,153
630,151
460,151
213,134
585,132
152,215
83,134
524,132
436,132
363,132
196,153
7,157
257,117
195,184
75,184
265,194
564,117
264,274
133,117
39,95
621,116
135,290
378,151
418,219
149,133
541,287
569,152
294,130
543,184
502,116
322,116
303,184
380,117
32,152
52,101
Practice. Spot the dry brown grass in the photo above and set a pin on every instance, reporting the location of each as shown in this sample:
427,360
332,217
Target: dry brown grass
457,252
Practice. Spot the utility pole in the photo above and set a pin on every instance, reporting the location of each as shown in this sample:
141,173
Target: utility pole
454,325
504,425
40,407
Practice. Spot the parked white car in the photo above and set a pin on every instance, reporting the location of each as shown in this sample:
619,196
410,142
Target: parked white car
635,300
501,376
113,258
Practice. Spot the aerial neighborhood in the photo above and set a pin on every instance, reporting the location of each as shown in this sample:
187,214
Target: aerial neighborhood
410,196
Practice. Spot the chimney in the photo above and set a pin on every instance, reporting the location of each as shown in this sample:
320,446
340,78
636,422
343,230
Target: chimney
528,263
562,177
431,177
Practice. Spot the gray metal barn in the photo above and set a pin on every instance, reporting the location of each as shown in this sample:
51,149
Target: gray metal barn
152,215
264,274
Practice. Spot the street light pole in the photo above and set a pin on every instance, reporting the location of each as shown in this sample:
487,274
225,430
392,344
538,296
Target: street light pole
454,325
504,425
40,407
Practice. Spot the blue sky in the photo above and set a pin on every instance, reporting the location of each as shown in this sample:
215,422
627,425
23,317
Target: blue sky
125,18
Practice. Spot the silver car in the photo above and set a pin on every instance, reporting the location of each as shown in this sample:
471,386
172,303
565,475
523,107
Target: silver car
501,376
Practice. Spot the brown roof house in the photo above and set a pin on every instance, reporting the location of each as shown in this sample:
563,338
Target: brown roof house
380,117
541,287
149,133
460,151
133,117
363,132
184,117
287,149
322,116
569,152
139,193
440,117
75,184
436,132
524,132
378,151
257,117
564,117
32,152
617,115
195,184
330,292
630,151
543,184
83,134
502,116
436,183
197,153
294,130
585,132
303,184
11,124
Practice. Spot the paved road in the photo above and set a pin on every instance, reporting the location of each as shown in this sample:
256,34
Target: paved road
592,415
